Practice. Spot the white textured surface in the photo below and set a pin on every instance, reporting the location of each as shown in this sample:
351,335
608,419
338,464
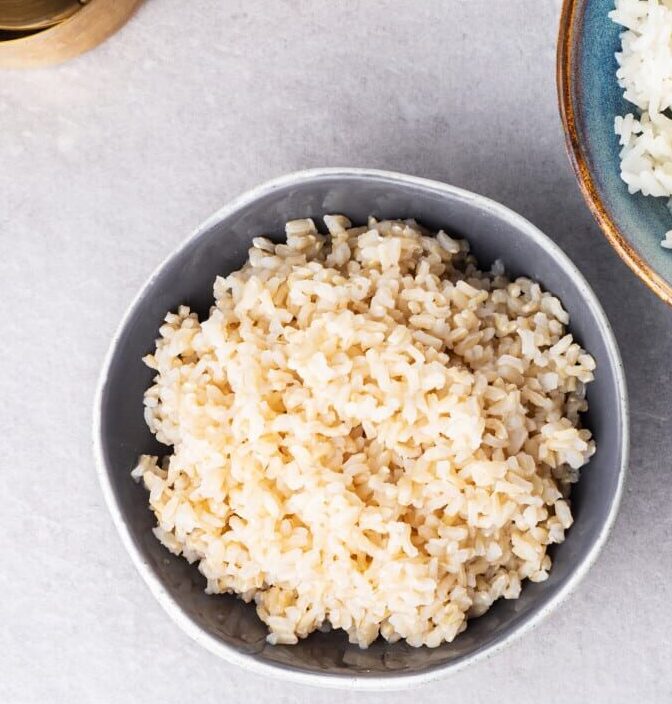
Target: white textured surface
109,161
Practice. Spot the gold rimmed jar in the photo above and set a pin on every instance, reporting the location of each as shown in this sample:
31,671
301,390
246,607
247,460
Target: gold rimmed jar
41,32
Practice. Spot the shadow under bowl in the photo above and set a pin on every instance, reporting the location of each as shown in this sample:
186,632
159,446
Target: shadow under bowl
231,628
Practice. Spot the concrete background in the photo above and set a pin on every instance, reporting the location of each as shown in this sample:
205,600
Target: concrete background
106,163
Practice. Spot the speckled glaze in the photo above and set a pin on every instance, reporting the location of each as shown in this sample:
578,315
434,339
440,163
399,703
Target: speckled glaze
224,624
590,98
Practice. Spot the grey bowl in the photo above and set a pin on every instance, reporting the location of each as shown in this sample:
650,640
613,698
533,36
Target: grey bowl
224,624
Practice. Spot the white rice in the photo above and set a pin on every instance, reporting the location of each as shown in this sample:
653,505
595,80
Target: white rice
645,74
368,433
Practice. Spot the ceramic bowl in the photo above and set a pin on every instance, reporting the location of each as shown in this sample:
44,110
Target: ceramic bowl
590,99
227,626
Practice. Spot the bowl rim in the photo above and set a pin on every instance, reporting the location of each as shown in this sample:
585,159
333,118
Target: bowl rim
566,84
391,681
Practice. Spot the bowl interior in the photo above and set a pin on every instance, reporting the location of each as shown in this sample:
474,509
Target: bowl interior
596,99
220,247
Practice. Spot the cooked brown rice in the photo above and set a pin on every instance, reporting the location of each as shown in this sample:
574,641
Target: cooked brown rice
368,433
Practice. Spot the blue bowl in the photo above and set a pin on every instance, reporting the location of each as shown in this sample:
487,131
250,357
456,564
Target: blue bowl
590,99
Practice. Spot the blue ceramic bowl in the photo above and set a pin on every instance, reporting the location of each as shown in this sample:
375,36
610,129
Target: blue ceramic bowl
590,99
226,625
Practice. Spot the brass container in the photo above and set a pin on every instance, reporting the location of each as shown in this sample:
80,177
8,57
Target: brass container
27,15
42,32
